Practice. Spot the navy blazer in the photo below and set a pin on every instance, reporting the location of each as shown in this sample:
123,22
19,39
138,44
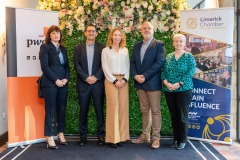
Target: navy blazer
81,66
151,65
50,64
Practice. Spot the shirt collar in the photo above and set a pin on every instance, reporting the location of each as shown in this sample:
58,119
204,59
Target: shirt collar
90,44
147,42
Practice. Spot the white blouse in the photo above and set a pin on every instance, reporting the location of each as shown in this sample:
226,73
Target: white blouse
115,63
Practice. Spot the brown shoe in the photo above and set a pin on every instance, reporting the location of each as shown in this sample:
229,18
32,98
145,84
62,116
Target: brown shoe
155,144
141,139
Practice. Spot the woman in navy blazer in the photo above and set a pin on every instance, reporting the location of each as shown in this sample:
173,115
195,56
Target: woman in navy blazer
55,68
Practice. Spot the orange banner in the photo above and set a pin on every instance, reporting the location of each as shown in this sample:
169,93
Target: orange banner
25,110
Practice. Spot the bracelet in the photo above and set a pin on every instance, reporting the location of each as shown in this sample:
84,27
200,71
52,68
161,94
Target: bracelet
114,82
125,80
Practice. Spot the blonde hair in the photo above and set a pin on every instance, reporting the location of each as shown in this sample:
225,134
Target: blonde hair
110,38
180,36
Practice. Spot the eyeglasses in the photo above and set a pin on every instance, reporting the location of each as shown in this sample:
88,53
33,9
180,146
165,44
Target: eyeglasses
89,31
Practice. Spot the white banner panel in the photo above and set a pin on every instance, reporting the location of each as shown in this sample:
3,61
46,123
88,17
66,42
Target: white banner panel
209,23
31,27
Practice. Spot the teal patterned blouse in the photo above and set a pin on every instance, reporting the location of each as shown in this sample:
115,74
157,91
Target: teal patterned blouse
181,70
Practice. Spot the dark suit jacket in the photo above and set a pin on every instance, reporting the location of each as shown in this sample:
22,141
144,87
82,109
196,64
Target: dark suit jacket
151,65
81,66
50,64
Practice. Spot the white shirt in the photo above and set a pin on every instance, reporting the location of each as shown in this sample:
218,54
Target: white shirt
115,63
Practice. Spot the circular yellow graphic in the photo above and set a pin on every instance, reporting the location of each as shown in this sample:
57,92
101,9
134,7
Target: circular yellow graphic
210,121
217,128
227,139
191,23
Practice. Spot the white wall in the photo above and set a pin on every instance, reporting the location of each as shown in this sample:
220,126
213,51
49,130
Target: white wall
21,3
3,75
3,63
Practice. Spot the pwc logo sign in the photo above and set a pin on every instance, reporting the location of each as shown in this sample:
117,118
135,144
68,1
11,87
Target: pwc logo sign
37,42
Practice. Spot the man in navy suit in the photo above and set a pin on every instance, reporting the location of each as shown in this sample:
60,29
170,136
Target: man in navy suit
146,63
90,83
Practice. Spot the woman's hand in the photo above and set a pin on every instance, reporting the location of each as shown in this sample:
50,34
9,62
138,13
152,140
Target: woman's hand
177,85
169,86
118,84
64,81
123,82
59,83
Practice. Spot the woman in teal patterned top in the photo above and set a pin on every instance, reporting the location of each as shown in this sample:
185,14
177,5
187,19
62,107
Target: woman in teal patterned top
177,74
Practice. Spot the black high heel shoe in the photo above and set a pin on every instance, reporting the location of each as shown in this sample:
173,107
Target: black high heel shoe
51,147
62,143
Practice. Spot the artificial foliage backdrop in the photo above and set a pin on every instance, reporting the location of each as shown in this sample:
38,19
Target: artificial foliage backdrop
74,15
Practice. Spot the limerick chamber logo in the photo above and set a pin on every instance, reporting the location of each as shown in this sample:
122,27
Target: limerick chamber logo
191,23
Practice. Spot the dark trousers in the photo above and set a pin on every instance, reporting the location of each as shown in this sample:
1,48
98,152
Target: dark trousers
84,103
55,104
178,104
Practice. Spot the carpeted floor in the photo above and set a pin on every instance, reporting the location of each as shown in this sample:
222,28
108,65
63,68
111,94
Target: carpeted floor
194,150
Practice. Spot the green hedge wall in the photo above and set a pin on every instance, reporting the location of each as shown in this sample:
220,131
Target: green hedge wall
134,113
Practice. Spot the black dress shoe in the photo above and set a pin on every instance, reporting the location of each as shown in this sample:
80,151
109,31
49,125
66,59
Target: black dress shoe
120,144
113,145
181,146
174,144
101,141
83,141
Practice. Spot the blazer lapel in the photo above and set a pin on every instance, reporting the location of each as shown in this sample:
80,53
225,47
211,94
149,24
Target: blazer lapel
84,52
95,56
139,53
53,49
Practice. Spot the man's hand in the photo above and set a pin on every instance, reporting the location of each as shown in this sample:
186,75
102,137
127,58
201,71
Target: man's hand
91,80
140,78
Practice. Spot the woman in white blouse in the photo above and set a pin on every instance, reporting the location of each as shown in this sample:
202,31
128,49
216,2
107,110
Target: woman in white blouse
115,64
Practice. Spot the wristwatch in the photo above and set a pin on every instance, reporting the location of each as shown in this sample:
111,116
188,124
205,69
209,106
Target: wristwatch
114,82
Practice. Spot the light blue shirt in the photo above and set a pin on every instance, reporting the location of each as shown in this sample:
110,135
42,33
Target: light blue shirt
90,55
144,48
60,55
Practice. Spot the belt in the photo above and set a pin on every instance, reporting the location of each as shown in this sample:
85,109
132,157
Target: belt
118,74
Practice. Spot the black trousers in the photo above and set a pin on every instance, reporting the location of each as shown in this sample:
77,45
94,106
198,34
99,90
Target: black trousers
55,104
84,103
178,105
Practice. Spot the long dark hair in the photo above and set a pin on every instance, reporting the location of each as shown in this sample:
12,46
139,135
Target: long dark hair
52,29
